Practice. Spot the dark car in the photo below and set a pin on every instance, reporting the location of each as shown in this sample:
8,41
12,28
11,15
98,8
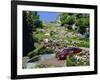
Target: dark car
68,51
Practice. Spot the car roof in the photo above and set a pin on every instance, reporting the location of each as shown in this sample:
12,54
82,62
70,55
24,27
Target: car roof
71,48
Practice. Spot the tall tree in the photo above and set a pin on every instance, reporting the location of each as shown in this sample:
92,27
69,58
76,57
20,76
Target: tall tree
67,18
63,17
83,22
28,43
30,23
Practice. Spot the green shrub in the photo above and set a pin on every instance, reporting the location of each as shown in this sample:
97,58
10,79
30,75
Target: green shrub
31,54
35,51
70,61
39,36
82,22
46,51
41,49
70,20
83,44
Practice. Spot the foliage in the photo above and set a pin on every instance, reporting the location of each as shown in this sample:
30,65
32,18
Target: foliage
41,49
80,59
34,59
66,18
70,61
46,50
63,17
38,23
35,51
83,44
38,36
82,24
28,43
31,54
70,20
31,21
80,20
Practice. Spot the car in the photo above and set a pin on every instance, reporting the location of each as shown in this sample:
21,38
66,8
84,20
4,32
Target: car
68,51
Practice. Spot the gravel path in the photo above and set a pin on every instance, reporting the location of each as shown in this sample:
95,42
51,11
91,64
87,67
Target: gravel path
54,62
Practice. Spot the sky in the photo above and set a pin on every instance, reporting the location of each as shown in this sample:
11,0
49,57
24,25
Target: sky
48,16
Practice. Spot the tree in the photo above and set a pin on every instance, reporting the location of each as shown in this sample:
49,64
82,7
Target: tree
80,20
63,18
33,19
67,18
30,23
28,43
70,20
82,24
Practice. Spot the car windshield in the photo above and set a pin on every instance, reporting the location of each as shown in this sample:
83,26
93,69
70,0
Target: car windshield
67,50
74,48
